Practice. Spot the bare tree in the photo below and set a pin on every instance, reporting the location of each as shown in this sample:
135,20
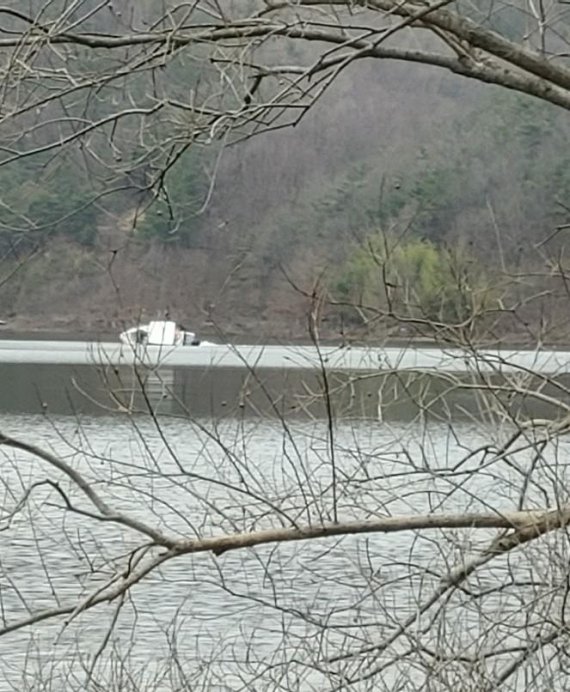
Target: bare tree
412,534
102,74
343,550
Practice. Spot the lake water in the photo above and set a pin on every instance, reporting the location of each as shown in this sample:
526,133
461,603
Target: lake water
392,383
343,358
228,450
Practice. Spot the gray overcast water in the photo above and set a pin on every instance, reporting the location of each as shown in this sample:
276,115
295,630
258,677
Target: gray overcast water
234,620
390,383
281,357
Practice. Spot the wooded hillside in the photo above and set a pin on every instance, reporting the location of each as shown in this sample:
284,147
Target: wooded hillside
125,223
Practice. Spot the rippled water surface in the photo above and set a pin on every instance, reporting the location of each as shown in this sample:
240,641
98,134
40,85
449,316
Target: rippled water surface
206,451
232,621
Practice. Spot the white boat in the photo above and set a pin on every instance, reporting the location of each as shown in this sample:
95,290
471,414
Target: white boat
159,333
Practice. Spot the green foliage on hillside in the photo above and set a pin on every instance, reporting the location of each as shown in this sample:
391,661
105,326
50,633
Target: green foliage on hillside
414,278
497,175
40,202
173,217
491,173
504,155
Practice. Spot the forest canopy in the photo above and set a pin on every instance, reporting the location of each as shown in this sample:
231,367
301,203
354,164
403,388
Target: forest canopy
163,127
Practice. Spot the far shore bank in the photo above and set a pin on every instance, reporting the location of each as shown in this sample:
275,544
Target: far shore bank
27,333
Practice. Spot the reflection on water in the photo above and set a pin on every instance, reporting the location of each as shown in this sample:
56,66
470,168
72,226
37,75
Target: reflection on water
221,392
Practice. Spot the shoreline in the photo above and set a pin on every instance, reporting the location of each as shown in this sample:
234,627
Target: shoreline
8,333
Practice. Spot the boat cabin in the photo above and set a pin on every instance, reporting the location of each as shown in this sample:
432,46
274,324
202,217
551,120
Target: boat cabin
159,333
